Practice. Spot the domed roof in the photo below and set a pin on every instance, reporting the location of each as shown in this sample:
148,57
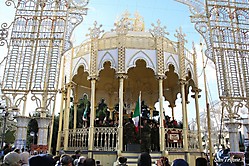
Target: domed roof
129,33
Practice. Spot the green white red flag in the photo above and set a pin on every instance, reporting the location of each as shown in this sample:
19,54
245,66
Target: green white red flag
137,112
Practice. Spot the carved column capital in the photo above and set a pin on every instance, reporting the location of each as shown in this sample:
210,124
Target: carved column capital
160,77
196,90
96,78
233,126
182,82
70,85
121,75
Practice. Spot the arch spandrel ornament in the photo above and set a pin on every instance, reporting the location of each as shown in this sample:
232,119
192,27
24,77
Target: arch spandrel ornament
171,60
134,55
80,62
104,56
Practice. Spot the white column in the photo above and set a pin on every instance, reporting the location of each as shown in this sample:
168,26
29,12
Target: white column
43,123
21,133
162,129
121,107
92,117
66,117
58,146
196,96
184,113
233,134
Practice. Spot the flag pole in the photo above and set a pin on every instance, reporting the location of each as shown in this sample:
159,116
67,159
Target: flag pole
140,111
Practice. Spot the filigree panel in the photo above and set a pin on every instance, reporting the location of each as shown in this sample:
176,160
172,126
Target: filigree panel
40,35
224,26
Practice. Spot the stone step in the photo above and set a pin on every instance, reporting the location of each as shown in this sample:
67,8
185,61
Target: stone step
132,157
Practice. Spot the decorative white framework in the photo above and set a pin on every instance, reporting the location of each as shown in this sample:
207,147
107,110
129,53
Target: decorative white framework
40,35
225,29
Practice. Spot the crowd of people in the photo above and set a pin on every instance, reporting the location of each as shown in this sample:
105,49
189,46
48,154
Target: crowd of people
18,157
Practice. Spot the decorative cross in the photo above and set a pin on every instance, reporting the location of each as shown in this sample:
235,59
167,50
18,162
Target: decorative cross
180,35
95,31
158,31
122,26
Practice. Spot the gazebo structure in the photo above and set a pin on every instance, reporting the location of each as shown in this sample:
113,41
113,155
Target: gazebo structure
114,68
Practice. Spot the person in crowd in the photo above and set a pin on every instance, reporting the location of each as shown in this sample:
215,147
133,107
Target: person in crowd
25,158
200,161
12,159
122,161
98,163
56,158
80,161
163,161
144,159
6,149
41,160
89,162
129,132
179,162
17,151
145,136
66,160
155,136
76,155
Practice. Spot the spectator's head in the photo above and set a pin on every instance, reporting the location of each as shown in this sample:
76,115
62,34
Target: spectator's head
122,160
164,161
89,162
41,160
12,159
201,161
80,161
17,150
179,162
66,160
144,159
77,153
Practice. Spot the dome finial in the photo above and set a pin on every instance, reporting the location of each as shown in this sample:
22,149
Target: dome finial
125,23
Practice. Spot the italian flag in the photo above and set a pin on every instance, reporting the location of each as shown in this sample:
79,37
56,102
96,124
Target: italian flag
136,114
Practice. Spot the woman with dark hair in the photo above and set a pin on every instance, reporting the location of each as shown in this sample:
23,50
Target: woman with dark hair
179,162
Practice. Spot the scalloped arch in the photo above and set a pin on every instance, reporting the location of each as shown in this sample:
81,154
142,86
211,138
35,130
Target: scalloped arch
244,14
107,57
171,61
143,56
190,69
81,62
222,13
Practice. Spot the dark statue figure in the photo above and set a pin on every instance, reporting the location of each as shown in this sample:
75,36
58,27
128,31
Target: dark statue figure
102,111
